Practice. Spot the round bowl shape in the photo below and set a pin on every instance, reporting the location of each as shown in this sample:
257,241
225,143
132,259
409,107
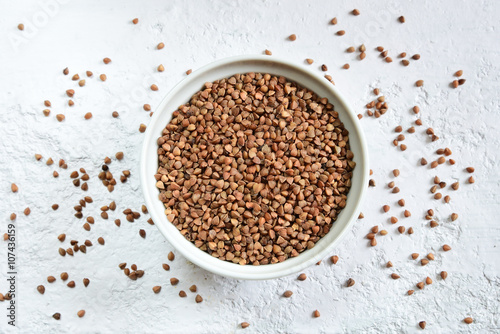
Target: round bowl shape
224,68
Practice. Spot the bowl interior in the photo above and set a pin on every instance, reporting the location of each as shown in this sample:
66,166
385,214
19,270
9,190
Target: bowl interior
181,94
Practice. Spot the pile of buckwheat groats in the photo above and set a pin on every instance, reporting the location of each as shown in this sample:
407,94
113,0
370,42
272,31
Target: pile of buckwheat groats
254,169
170,142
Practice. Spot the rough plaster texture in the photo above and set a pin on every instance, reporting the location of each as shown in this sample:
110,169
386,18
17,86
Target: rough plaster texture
449,35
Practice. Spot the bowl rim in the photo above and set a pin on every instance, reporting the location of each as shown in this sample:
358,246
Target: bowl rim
175,241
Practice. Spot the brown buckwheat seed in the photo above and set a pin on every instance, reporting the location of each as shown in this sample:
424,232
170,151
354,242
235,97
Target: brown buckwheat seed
350,282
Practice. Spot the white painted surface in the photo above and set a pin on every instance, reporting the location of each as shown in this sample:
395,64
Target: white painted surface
450,35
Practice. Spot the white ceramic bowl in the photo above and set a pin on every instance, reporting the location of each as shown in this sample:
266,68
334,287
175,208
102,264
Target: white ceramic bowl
181,94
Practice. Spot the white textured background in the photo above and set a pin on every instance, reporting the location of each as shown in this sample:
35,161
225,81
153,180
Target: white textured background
450,35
